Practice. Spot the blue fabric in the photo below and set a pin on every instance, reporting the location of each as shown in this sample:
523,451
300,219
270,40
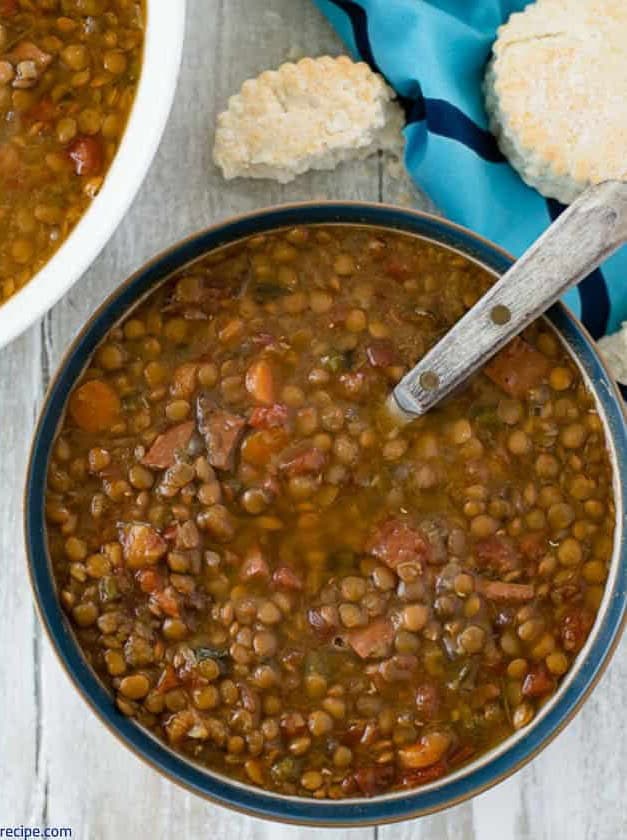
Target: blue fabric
434,53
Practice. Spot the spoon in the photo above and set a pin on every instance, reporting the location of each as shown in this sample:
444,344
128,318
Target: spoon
586,234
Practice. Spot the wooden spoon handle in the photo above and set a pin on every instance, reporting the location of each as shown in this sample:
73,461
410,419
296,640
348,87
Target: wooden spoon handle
588,232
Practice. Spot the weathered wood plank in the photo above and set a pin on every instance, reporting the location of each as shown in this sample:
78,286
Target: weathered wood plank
21,798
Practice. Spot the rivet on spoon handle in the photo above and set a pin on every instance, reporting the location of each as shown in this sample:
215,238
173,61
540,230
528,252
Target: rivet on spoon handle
586,234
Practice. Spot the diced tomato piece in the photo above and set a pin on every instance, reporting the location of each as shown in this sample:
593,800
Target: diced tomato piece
497,554
269,418
162,453
533,545
149,580
395,542
95,406
302,458
538,682
171,532
87,154
167,601
167,680
518,368
575,627
373,640
382,353
260,382
287,578
255,565
293,723
142,545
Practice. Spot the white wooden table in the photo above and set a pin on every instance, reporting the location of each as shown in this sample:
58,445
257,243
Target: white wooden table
58,765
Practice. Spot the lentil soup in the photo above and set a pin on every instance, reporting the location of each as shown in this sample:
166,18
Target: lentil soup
68,75
281,584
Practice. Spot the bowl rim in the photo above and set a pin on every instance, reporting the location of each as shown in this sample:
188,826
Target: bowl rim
500,763
162,54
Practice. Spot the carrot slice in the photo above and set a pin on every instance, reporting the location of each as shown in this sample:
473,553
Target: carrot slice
94,406
260,382
259,447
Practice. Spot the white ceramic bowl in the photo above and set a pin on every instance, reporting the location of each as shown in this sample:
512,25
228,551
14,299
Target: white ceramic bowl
162,58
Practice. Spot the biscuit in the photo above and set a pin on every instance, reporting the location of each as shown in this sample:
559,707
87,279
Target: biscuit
309,115
555,94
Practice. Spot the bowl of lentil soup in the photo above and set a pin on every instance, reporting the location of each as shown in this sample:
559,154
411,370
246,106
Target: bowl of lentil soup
85,92
278,599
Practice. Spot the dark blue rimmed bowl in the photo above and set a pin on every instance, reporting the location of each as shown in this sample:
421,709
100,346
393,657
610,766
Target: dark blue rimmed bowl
466,782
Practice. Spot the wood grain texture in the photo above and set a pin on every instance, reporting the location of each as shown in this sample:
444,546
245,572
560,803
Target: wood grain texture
58,764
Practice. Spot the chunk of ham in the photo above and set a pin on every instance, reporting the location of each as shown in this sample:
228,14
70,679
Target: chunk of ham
302,458
395,542
498,590
497,554
381,353
518,368
222,432
184,380
162,454
373,640
142,545
269,418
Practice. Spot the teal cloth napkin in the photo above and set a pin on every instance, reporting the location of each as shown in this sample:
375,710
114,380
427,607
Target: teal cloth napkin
434,54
